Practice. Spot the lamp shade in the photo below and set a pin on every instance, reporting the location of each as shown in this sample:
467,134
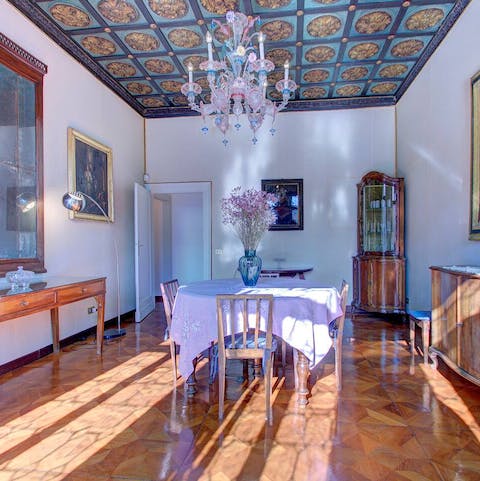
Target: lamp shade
74,201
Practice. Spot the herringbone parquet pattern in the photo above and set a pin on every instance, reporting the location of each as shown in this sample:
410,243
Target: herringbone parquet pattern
79,417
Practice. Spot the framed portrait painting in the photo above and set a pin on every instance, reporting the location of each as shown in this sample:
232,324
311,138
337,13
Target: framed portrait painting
475,166
90,172
289,207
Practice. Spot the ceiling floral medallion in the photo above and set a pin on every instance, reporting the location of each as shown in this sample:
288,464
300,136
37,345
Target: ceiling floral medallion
121,69
70,15
273,4
171,86
180,100
157,65
425,19
407,48
138,88
363,51
275,95
220,7
277,30
274,77
185,38
142,42
279,56
384,88
153,102
203,82
317,75
324,26
354,73
373,22
98,45
348,90
394,70
118,11
169,9
314,93
195,60
320,54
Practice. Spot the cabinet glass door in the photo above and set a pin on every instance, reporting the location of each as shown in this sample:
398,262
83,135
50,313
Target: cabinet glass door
379,218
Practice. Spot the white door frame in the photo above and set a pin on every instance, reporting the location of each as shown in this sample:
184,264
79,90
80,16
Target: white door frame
205,188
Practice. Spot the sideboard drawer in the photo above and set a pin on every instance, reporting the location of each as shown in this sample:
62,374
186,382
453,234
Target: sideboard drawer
22,302
81,291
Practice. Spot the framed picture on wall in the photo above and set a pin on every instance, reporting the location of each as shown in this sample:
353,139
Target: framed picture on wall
289,207
475,167
90,172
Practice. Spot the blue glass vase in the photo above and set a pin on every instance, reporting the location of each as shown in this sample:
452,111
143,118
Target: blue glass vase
250,266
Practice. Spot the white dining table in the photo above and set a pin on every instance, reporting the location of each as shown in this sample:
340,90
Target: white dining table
302,311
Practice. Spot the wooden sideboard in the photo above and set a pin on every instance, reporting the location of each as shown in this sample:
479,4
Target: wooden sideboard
49,293
456,319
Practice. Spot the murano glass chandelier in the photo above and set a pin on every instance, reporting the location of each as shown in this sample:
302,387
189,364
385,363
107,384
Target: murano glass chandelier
238,82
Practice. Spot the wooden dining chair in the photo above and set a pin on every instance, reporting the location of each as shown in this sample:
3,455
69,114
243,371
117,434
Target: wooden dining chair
276,275
169,291
245,342
336,332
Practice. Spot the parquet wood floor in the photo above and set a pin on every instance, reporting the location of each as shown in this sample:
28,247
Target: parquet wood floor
78,417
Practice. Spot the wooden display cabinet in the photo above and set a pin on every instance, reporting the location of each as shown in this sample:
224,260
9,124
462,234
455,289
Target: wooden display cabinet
379,266
456,319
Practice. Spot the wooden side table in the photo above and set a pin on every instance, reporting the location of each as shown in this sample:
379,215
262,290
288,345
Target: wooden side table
49,294
422,319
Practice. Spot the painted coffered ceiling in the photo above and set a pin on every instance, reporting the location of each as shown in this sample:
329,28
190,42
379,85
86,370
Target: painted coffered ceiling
342,53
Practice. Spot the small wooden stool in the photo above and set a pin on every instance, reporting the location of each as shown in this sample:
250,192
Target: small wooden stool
422,319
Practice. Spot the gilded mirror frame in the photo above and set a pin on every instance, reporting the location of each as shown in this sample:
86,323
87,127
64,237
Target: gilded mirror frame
14,58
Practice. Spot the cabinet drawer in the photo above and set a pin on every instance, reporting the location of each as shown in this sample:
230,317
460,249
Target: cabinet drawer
26,302
80,291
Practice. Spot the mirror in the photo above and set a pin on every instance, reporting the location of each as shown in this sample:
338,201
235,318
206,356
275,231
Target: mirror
21,159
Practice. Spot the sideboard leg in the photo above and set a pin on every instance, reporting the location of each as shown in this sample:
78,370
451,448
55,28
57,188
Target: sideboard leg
55,329
100,321
303,371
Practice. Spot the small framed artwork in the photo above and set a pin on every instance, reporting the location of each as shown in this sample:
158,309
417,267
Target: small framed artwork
289,207
90,172
475,167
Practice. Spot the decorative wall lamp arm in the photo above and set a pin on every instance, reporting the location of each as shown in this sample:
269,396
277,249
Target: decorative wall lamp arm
75,201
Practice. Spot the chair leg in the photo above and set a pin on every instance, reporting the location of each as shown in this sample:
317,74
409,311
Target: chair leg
284,355
221,387
173,355
425,340
295,374
268,389
212,363
412,335
338,364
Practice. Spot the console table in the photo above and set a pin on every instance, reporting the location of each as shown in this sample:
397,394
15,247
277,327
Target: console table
456,319
49,293
287,271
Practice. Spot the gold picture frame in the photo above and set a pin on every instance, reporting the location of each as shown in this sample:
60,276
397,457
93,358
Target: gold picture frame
90,172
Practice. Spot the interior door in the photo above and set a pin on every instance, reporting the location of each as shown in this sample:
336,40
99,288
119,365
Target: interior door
144,293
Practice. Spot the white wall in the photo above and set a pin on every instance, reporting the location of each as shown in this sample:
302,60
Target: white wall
329,150
433,142
74,98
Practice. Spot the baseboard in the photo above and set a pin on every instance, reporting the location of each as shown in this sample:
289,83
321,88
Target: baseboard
45,351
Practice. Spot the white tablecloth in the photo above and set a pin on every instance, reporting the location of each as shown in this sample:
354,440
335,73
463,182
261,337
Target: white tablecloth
301,313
